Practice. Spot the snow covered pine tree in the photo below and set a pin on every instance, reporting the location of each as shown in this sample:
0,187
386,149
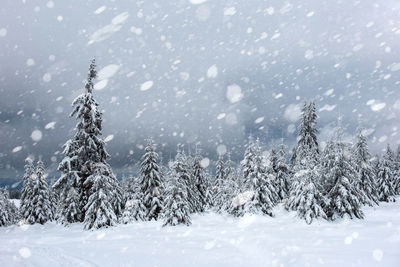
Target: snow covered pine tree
151,183
85,168
366,176
27,190
42,207
305,196
176,209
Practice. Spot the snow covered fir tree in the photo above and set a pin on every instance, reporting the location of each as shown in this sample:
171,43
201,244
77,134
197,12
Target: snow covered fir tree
151,183
85,168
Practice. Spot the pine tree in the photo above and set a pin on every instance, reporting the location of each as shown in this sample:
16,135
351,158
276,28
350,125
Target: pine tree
344,197
182,170
100,209
385,185
397,172
282,174
151,182
27,190
8,210
177,210
219,184
68,209
366,176
305,196
200,183
248,163
135,210
262,186
42,208
307,151
85,156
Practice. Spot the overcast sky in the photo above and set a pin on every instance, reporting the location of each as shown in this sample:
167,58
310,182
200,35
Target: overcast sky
208,72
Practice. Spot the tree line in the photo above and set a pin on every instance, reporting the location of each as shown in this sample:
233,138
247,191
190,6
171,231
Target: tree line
331,183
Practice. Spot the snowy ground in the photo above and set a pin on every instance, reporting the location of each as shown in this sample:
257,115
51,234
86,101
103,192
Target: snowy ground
212,240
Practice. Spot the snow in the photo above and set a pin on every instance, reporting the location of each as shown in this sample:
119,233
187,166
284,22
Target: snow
212,240
221,116
259,120
50,125
212,71
16,149
146,85
36,135
205,162
221,149
229,11
234,93
50,4
309,54
378,106
292,113
30,62
46,77
100,85
3,32
109,138
197,2
242,198
109,30
100,10
107,72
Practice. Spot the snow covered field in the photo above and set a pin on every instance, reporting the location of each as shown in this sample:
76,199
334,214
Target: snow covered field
212,240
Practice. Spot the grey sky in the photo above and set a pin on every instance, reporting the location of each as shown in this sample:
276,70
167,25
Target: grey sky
343,54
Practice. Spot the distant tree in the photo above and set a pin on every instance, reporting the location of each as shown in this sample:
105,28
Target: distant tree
201,185
305,197
8,210
177,210
219,184
135,210
344,197
385,185
307,150
151,182
282,174
42,208
27,190
261,184
366,176
181,169
100,209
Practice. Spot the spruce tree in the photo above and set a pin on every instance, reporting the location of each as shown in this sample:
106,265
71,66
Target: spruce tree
219,184
397,172
200,181
27,190
366,176
248,163
177,207
305,196
385,185
42,208
135,210
151,182
344,197
262,186
8,210
85,157
282,174
307,150
100,209
182,170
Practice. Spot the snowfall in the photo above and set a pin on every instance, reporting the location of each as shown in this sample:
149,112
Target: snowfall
212,240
